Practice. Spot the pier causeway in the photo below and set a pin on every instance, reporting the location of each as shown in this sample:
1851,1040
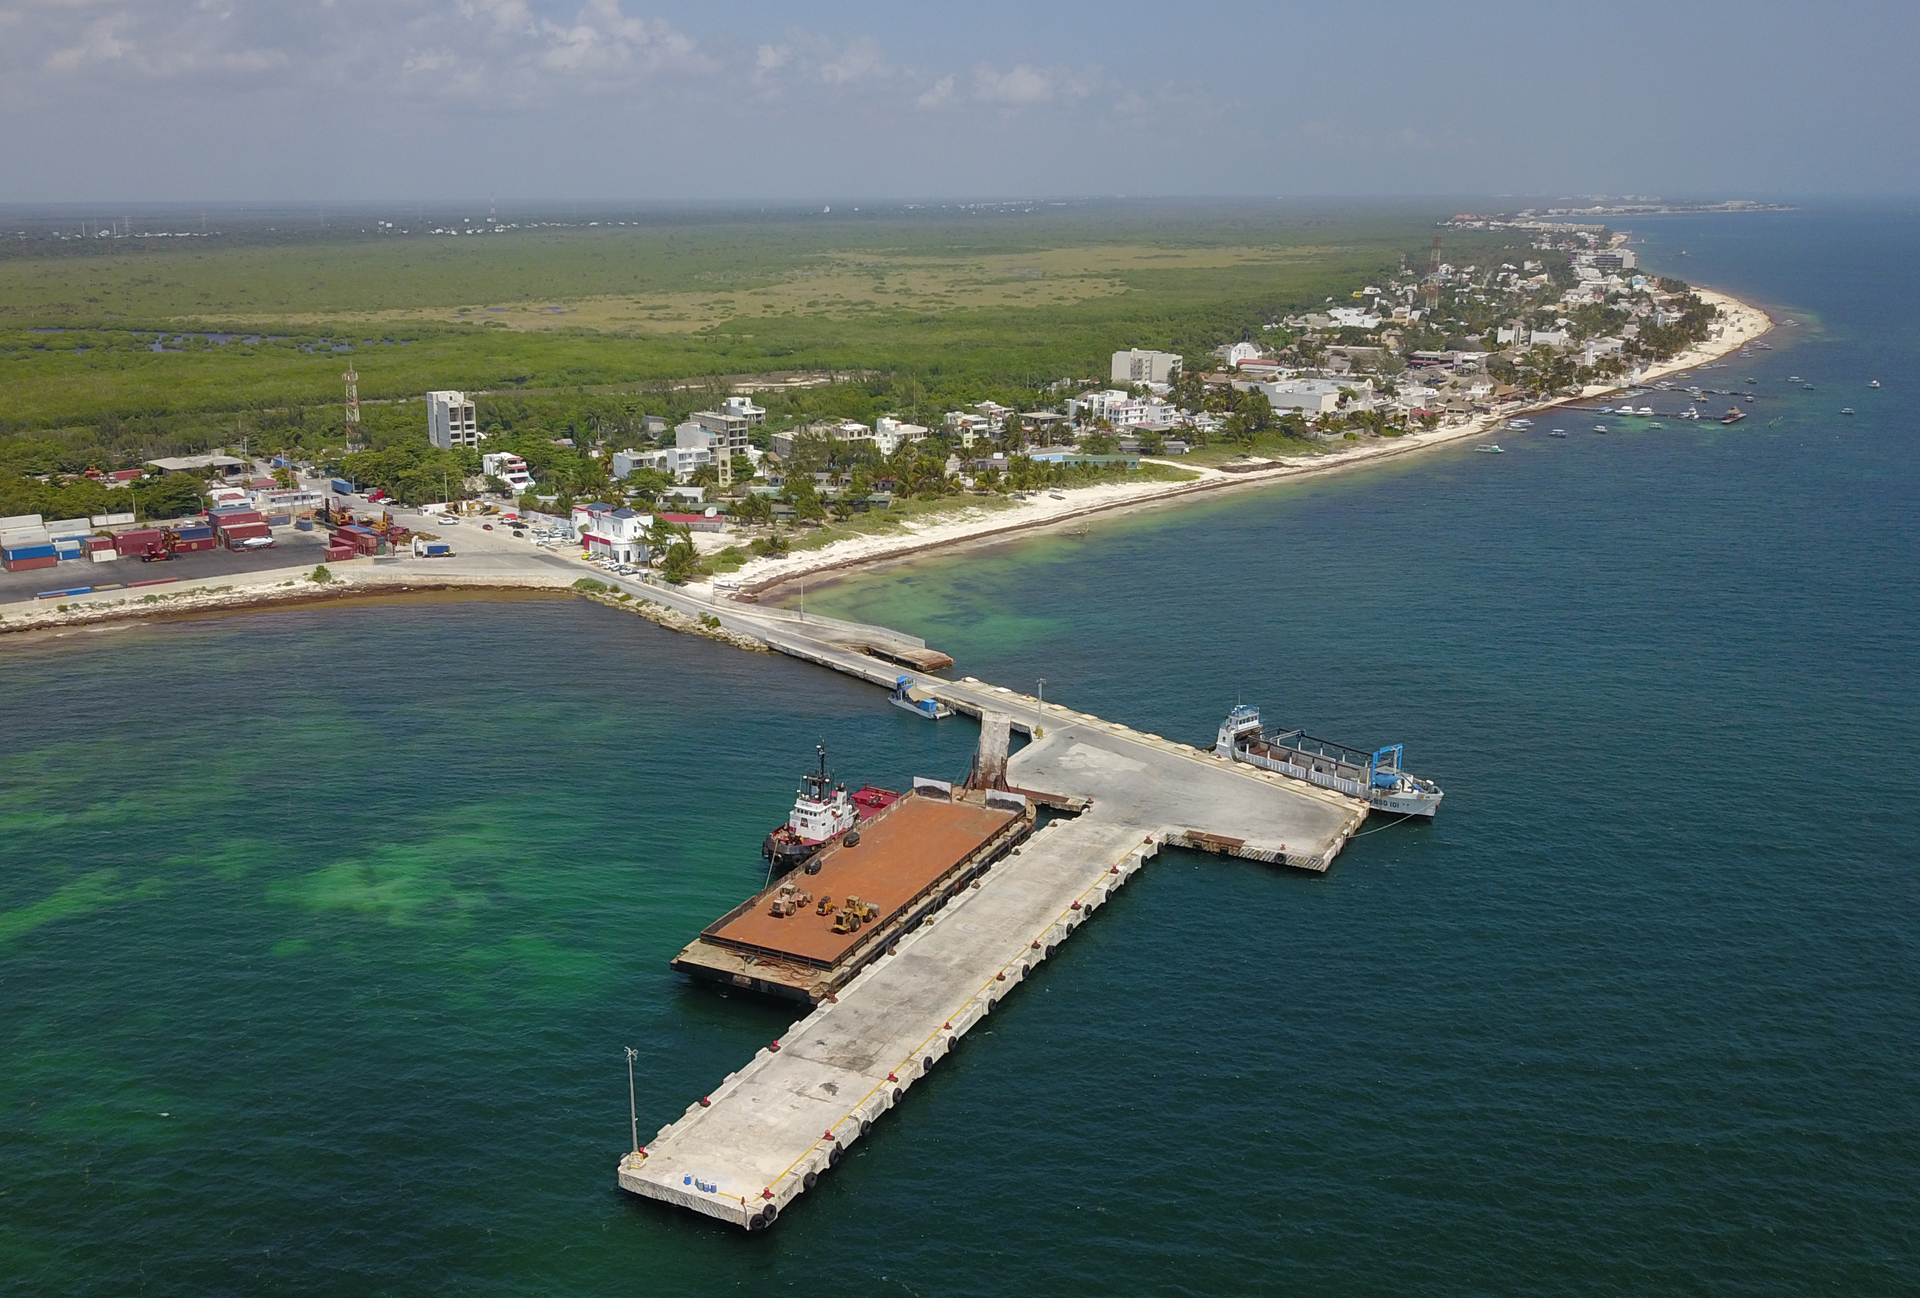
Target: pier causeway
767,1132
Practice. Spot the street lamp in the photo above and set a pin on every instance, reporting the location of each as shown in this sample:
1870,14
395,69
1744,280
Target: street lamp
1040,716
633,1110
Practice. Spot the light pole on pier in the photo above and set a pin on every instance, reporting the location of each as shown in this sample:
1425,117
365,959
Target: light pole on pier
1040,716
633,1109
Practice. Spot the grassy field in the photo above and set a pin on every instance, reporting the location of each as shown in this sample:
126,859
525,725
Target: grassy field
1009,301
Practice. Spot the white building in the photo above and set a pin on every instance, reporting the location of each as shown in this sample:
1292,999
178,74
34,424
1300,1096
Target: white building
450,420
1123,409
693,447
736,418
1238,354
509,468
612,532
1136,366
1352,317
1314,396
890,434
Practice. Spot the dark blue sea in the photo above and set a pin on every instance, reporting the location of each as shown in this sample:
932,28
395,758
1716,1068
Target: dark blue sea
322,931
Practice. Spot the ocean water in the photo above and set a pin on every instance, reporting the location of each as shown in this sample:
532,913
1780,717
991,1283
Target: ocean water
321,931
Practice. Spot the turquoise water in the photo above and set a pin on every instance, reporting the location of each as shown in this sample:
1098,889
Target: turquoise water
367,900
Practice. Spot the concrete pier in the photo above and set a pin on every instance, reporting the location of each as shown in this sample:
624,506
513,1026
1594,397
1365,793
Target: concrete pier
767,1133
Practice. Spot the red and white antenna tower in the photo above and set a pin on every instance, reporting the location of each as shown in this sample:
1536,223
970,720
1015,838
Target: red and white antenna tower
352,376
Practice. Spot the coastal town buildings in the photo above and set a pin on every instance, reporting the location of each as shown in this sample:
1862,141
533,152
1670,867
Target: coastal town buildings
451,421
509,468
1137,366
734,421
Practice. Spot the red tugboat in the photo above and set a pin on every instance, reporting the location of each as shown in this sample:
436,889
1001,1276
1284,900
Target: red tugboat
821,814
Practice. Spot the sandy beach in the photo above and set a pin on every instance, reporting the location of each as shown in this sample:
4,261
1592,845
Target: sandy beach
1739,325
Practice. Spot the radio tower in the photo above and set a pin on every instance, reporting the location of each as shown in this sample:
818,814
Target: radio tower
352,376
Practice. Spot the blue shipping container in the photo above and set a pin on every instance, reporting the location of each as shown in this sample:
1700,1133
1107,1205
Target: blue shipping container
304,525
342,487
194,533
30,552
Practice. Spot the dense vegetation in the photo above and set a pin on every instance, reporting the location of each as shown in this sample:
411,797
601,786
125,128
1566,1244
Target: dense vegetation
116,351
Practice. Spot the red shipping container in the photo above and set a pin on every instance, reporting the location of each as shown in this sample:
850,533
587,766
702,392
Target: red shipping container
203,543
30,565
143,542
238,517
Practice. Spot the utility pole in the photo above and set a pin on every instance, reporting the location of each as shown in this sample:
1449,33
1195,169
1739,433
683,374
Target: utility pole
1040,716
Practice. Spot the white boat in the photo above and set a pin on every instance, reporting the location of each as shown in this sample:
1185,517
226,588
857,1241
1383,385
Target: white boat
1375,777
1873,383
916,700
1558,432
1489,450
1646,412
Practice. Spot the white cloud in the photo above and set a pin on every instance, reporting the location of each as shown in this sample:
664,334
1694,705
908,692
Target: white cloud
1023,84
860,60
99,45
941,92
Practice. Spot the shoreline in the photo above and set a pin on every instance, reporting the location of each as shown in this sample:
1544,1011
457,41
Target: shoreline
1743,323
485,575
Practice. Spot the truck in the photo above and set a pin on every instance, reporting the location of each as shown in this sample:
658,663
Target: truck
341,487
424,549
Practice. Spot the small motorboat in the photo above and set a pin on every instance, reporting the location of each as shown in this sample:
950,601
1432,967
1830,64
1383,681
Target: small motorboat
1748,398
1599,428
1733,416
1558,432
1793,378
1807,386
1846,410
1490,450
1873,383
906,694
1646,412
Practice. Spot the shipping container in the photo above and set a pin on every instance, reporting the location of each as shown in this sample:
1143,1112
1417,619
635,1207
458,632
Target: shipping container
197,543
142,542
194,533
31,565
30,552
304,525
71,590
107,555
280,520
342,487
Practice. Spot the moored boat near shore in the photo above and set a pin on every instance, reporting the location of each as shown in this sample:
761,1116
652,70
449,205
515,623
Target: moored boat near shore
822,814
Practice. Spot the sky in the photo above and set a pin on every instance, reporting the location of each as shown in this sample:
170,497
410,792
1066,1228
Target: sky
673,101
